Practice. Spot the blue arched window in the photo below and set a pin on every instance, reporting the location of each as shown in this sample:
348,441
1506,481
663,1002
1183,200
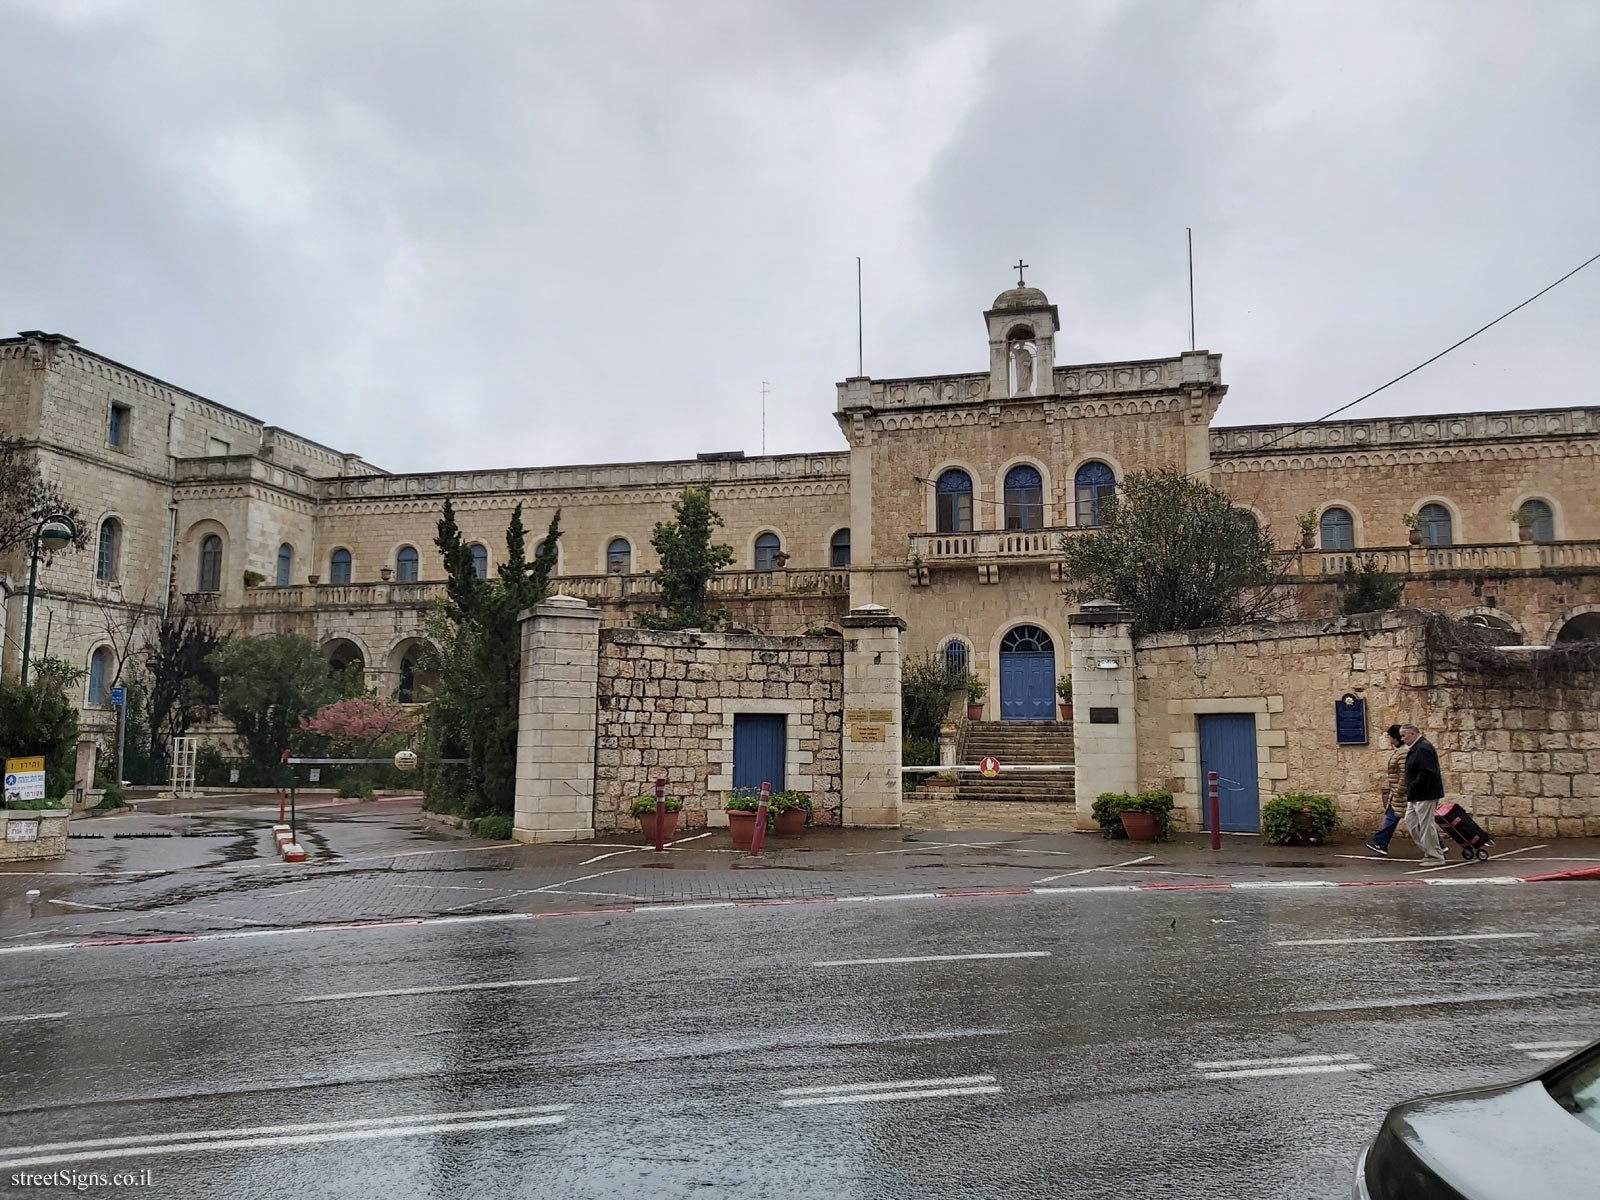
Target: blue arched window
99,669
1537,515
1093,483
405,564
953,502
480,560
767,548
339,567
1024,498
109,552
285,565
619,557
955,663
1434,524
839,549
1338,530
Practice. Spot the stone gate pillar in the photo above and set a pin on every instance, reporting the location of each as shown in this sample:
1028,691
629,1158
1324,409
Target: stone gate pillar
1105,745
871,733
556,714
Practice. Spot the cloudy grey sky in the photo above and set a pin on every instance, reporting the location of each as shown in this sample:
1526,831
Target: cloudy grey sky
465,233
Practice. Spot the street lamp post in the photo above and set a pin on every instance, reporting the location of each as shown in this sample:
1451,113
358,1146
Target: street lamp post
51,534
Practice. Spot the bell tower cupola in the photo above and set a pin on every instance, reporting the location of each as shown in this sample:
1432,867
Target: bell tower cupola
1022,341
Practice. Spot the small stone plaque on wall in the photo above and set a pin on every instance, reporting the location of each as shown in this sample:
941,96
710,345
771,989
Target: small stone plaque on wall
878,715
1103,716
1350,720
869,733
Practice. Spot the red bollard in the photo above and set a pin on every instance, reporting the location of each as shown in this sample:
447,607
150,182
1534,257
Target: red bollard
761,822
1214,810
661,814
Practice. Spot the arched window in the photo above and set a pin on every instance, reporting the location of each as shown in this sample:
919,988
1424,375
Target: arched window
1338,530
619,557
407,693
767,549
405,564
1537,515
1433,521
953,502
955,663
99,674
1024,498
339,566
1093,483
285,565
210,564
839,549
1585,627
538,549
480,560
1026,639
108,555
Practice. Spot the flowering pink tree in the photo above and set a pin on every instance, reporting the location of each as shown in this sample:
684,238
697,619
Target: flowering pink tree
362,723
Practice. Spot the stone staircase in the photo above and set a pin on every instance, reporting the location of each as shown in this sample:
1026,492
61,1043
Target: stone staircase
1015,743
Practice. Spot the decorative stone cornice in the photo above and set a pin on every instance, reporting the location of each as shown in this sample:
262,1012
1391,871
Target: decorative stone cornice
1445,429
1407,456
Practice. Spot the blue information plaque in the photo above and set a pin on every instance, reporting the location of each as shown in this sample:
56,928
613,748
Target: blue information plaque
1350,720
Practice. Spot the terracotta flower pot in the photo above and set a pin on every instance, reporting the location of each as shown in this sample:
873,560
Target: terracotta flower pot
742,828
1308,541
1139,826
387,574
789,824
312,579
1524,533
1066,711
1415,537
648,824
975,712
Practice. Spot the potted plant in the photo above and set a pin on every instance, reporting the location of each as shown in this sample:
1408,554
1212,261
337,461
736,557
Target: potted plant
1524,522
741,807
1308,528
788,813
780,559
1142,816
254,579
1297,817
643,809
1413,522
1064,694
386,573
976,691
312,579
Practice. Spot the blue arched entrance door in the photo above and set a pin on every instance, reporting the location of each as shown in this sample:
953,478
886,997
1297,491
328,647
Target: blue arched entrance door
1027,675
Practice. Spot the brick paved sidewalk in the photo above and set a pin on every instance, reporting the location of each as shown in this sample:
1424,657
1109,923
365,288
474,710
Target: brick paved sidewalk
181,867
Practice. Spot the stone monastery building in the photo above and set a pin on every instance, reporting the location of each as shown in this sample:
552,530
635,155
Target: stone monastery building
947,505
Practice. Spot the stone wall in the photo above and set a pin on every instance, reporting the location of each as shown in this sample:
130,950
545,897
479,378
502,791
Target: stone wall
1524,759
667,703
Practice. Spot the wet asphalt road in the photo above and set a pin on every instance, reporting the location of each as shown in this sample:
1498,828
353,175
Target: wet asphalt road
658,1058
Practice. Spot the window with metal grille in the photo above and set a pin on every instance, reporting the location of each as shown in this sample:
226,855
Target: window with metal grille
955,663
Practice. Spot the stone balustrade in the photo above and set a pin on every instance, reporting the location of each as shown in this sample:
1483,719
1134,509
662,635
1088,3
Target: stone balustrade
991,545
1422,560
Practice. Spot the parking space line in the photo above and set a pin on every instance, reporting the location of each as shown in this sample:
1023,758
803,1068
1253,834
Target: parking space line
1289,1061
1432,937
1548,1045
922,958
1087,870
1472,862
889,1089
429,991
50,1016
1305,1069
879,1097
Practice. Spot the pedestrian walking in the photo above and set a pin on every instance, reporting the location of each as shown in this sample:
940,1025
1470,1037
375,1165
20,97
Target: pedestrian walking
1424,790
1394,788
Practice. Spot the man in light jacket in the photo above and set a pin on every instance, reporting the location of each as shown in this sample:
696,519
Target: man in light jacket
1424,790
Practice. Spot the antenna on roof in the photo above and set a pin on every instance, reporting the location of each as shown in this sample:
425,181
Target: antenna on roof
765,388
1190,232
861,368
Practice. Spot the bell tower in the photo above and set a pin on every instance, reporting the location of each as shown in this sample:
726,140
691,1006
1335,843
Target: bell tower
1022,341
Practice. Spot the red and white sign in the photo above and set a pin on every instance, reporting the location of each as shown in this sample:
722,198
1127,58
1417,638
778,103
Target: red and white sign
989,767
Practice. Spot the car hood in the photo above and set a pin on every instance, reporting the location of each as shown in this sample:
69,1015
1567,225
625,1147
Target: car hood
1512,1141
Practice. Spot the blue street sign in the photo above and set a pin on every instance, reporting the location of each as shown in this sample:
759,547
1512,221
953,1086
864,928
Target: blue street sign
119,696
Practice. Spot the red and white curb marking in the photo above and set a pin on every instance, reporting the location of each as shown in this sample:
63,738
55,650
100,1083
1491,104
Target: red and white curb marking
1266,885
291,850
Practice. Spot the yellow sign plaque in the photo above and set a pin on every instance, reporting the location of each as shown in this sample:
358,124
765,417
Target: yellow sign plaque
869,733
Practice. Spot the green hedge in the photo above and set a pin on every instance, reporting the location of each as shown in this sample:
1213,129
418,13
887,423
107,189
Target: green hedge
1278,818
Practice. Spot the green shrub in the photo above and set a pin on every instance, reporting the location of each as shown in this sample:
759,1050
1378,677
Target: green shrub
742,800
38,720
645,806
1108,808
496,827
919,752
924,697
30,805
355,789
113,797
1278,818
787,801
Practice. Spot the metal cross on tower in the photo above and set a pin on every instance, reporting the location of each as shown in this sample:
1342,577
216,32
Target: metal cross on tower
1021,266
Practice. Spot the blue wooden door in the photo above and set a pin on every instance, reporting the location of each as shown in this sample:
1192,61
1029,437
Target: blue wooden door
1228,747
1027,675
759,740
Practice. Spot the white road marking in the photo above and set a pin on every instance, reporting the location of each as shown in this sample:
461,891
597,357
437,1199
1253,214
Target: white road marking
1548,1045
1472,862
1292,1060
1308,1069
883,1084
1436,937
1087,870
693,837
878,1097
611,854
1086,889
922,958
1540,1055
896,896
188,1135
428,991
305,1139
33,1017
81,904
1262,885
